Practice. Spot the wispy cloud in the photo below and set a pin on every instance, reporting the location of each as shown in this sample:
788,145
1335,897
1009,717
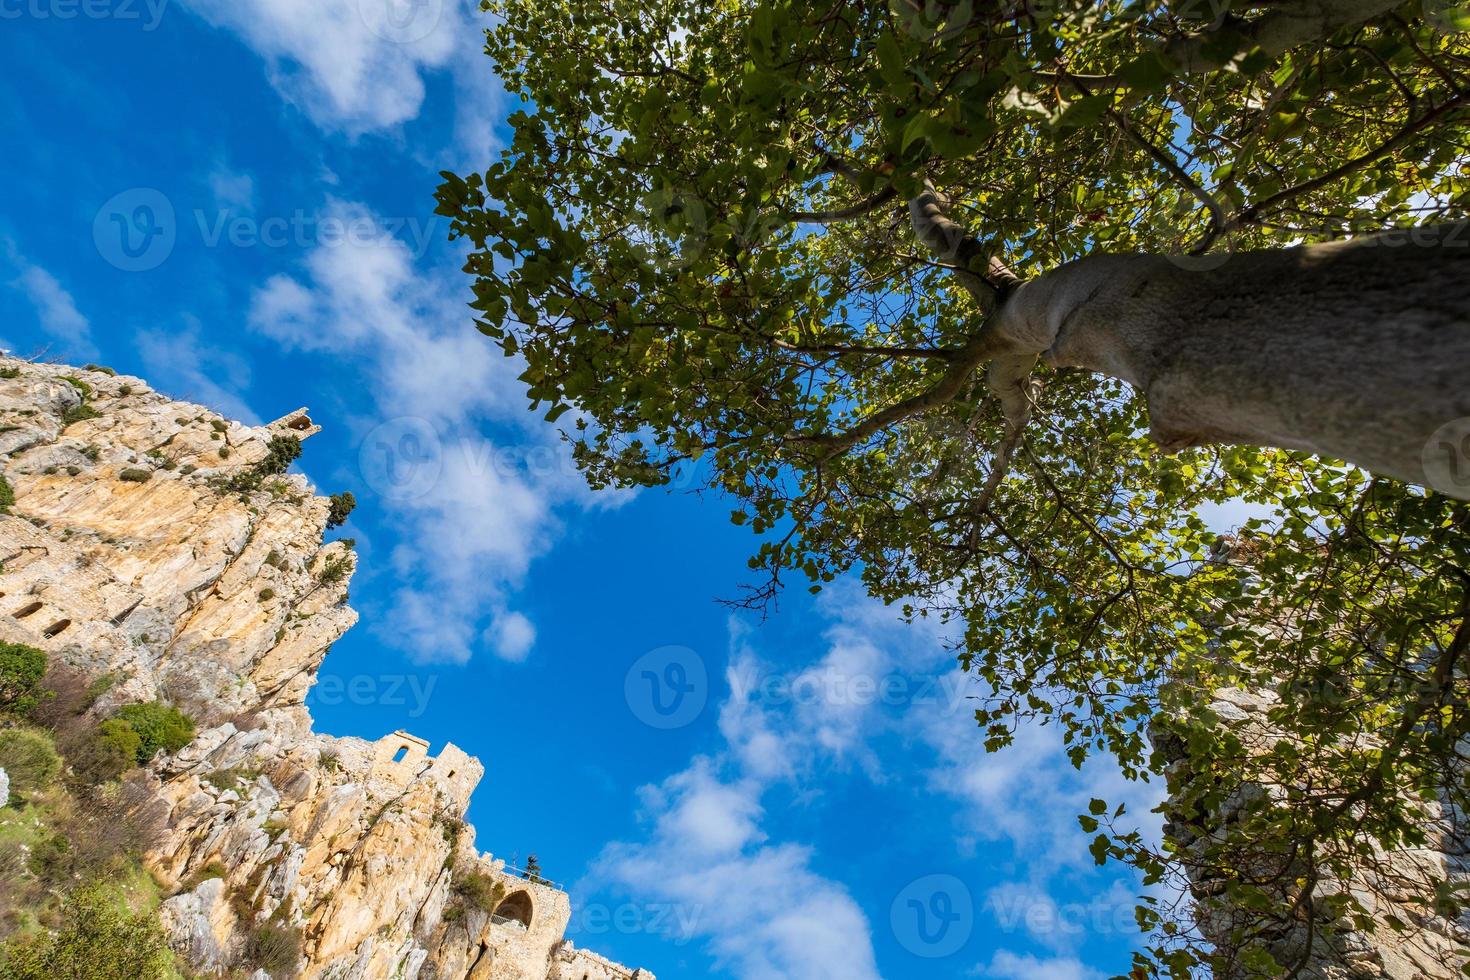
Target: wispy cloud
56,311
1006,965
187,364
471,511
759,905
358,66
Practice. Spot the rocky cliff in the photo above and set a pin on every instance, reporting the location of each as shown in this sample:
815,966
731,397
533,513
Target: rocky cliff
153,543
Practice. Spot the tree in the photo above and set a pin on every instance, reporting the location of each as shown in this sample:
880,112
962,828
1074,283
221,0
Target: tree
914,282
21,670
341,506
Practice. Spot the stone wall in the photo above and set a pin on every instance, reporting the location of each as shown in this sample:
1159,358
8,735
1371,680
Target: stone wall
125,555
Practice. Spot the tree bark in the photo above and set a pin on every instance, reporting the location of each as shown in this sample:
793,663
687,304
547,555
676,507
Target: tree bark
1356,350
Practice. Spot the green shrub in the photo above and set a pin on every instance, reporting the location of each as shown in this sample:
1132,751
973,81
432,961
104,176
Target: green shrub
342,505
274,948
159,726
335,569
100,940
21,670
80,413
102,370
218,425
29,758
125,390
135,475
478,890
112,750
10,372
79,385
266,595
7,496
280,453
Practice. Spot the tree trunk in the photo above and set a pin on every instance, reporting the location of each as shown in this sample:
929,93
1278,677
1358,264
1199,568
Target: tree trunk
1356,350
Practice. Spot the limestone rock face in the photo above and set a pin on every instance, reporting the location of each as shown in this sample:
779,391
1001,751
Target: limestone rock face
136,548
1426,946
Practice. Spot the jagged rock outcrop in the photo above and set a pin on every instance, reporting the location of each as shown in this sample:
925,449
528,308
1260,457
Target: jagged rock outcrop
147,545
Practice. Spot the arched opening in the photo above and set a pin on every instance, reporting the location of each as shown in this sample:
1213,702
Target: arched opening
56,629
300,423
401,754
25,611
516,909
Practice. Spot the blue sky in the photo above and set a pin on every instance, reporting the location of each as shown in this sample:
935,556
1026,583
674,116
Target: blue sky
233,199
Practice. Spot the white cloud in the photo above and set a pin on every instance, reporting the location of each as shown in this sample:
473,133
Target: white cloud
484,509
512,637
761,908
359,66
56,311
232,191
1006,965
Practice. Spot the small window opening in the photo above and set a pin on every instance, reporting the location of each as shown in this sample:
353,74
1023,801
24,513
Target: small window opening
56,629
29,610
401,754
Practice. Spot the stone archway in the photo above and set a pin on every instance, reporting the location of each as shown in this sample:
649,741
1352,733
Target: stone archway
515,908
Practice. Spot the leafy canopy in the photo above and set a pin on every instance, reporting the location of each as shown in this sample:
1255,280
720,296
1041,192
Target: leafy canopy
697,243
